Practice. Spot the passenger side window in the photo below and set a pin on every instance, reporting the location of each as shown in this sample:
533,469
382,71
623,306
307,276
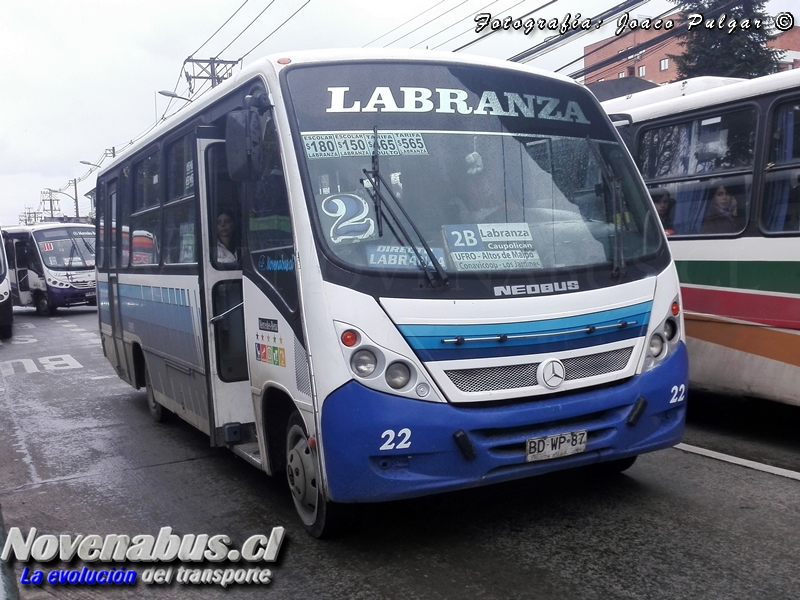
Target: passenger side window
144,227
180,209
781,208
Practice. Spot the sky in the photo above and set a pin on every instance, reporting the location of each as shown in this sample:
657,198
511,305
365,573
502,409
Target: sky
82,76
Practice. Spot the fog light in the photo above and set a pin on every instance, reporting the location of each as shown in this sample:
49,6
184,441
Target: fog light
363,363
397,375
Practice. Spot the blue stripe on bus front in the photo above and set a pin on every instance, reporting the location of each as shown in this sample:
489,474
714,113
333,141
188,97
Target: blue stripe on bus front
427,340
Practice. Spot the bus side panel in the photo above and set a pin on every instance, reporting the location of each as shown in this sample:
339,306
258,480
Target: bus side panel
164,321
277,358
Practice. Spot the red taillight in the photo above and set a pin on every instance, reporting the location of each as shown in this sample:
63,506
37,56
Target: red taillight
349,338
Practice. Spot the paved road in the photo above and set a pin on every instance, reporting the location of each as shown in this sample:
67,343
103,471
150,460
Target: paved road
79,454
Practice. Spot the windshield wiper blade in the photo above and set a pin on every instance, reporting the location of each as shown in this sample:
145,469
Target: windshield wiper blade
376,179
613,183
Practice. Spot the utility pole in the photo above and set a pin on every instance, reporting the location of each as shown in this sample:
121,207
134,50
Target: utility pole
75,187
46,198
211,69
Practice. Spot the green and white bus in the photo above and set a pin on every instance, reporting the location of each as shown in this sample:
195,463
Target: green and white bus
739,267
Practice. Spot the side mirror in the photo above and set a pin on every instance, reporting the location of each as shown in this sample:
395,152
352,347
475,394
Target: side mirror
243,144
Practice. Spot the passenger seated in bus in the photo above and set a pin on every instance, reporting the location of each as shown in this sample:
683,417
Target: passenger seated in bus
722,213
227,257
664,205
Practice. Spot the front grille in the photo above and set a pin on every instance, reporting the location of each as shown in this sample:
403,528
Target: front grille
494,378
596,364
83,285
511,377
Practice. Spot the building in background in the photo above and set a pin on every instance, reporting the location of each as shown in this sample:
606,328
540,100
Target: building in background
645,54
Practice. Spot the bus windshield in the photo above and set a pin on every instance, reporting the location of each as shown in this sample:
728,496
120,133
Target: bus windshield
491,170
67,248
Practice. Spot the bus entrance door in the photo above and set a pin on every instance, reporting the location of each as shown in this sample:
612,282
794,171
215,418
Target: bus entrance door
228,380
22,293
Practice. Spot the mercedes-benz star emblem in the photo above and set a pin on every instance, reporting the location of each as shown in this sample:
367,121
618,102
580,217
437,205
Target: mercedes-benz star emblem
551,373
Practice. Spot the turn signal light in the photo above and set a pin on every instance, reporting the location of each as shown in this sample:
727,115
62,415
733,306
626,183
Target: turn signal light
349,338
676,309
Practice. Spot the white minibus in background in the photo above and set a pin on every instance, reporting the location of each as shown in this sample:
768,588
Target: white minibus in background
382,275
51,264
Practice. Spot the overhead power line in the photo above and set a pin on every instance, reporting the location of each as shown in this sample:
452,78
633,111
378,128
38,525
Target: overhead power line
404,24
220,28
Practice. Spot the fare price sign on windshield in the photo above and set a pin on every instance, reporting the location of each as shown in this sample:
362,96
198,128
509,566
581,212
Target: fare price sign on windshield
491,247
336,144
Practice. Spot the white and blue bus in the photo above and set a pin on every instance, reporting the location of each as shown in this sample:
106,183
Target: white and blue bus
6,302
52,265
391,274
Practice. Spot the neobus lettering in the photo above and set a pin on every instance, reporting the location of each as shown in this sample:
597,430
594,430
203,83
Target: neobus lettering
532,289
448,100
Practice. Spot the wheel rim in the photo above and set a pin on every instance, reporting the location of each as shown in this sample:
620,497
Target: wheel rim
301,472
44,305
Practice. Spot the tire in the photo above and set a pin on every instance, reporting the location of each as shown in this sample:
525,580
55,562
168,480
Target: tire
5,332
157,411
321,518
43,307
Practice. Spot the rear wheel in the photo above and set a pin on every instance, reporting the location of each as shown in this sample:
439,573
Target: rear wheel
320,518
5,332
157,411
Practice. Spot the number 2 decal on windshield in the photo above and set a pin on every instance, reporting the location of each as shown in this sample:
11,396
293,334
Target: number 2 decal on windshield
350,212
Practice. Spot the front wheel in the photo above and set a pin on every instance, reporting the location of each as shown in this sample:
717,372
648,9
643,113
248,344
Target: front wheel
5,332
321,518
43,306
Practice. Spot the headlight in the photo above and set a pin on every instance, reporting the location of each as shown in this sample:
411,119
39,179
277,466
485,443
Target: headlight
670,329
363,363
397,375
656,345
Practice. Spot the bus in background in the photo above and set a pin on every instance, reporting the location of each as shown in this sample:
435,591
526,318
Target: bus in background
723,166
381,290
6,303
51,265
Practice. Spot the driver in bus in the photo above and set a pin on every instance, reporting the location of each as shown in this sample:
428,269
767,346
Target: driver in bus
479,201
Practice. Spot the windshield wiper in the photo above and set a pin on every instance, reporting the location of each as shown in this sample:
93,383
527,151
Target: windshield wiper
376,179
613,184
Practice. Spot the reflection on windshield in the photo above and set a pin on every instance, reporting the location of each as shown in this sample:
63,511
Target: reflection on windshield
66,249
482,201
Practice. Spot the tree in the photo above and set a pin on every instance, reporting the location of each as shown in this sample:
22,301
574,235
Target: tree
723,38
